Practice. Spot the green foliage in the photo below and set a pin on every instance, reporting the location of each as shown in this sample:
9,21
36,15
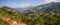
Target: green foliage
38,16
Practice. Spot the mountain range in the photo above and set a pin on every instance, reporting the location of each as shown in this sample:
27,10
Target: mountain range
40,9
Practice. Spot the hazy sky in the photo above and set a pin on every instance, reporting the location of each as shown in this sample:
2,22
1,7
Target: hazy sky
24,3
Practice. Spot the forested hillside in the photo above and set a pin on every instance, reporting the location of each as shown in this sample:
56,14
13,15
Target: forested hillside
47,14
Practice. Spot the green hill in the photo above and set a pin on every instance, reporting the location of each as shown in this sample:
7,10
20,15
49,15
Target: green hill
47,14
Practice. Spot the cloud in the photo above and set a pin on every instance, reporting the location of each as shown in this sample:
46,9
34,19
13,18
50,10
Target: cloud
51,1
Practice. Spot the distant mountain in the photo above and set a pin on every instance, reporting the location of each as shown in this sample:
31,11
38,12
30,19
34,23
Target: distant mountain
9,9
39,10
46,8
48,5
24,9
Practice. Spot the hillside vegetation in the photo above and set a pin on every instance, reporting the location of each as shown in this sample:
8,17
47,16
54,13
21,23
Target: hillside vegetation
47,14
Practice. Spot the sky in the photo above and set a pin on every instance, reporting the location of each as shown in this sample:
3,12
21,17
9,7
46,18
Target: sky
24,3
